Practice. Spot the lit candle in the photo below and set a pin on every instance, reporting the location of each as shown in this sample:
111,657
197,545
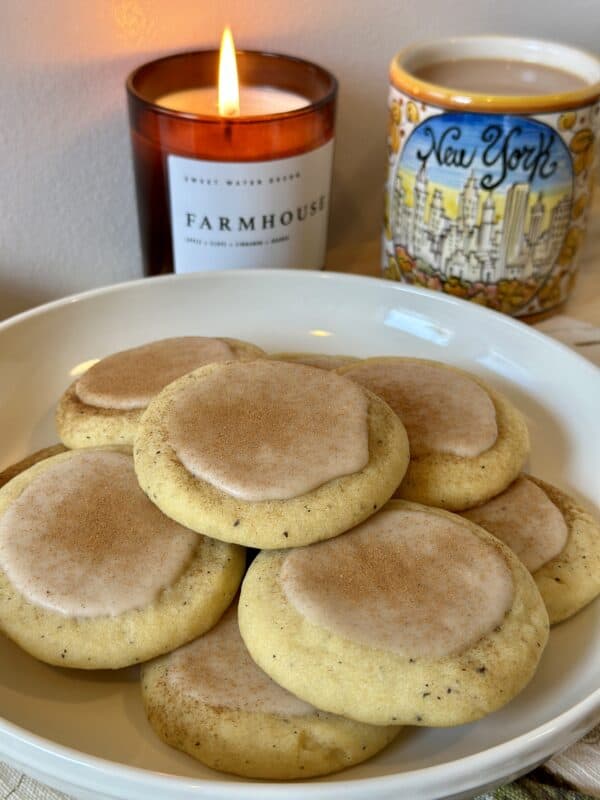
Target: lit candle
254,100
232,173
228,98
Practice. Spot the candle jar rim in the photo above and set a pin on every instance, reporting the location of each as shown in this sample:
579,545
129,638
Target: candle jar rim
329,93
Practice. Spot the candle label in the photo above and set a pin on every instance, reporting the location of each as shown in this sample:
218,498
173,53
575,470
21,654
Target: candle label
226,215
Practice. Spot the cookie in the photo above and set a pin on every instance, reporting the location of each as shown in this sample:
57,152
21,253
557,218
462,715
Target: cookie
556,539
104,406
93,576
467,441
415,617
319,360
210,700
269,454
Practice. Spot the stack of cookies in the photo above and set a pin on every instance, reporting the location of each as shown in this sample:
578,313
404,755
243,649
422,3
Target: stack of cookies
408,569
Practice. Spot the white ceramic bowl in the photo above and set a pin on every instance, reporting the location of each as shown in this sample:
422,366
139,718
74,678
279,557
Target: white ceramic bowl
86,733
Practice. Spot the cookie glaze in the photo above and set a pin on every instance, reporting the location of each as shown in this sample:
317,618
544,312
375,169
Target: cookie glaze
217,670
525,519
83,540
443,410
131,378
410,582
268,430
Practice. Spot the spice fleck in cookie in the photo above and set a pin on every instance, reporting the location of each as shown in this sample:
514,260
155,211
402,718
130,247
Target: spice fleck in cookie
319,360
103,406
269,454
556,539
415,617
467,441
210,700
92,575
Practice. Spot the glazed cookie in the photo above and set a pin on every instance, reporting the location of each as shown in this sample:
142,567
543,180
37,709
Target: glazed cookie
556,539
467,441
210,700
319,360
104,406
93,576
415,617
269,454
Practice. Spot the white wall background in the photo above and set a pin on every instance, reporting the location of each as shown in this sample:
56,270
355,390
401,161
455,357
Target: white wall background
67,210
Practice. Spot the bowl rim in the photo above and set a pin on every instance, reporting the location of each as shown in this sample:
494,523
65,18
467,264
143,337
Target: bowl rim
235,275
586,712
48,757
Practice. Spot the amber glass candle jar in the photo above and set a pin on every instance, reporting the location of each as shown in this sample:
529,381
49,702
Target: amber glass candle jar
217,192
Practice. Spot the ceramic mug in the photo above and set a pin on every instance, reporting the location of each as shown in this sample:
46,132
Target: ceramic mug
487,194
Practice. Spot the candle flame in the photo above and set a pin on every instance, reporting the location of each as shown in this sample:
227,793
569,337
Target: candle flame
229,90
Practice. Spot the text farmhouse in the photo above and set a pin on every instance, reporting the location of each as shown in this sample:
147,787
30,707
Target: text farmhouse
255,222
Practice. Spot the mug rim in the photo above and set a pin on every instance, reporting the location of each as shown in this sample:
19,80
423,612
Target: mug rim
540,51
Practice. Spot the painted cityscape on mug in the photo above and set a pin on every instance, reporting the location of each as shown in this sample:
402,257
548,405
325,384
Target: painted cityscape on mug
480,205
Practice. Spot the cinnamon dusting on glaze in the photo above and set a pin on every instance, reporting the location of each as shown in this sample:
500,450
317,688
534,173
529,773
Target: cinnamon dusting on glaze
442,410
217,669
412,582
83,540
525,519
268,430
131,378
